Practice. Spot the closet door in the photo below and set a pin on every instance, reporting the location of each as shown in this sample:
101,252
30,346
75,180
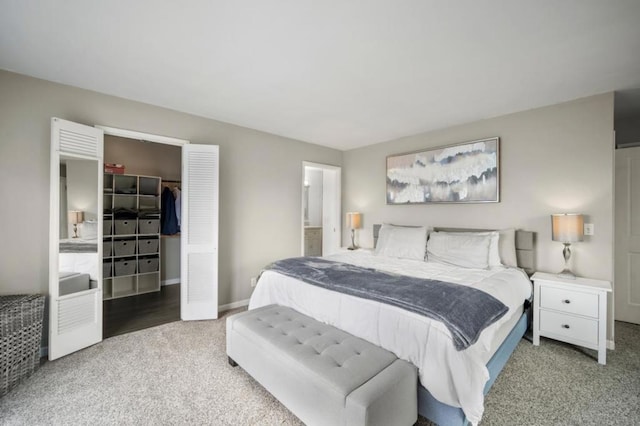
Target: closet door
199,232
75,271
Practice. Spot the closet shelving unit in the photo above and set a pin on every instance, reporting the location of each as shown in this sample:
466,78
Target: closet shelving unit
131,247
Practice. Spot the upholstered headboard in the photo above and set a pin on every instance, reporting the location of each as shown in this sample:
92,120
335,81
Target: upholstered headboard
525,240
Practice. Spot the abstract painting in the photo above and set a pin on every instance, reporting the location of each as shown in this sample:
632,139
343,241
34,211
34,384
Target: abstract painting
463,173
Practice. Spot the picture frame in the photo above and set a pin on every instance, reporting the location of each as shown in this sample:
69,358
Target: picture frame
467,172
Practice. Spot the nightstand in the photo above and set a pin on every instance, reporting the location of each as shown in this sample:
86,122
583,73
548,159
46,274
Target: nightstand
571,310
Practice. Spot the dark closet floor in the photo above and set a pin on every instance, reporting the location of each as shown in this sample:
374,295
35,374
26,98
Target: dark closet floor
138,312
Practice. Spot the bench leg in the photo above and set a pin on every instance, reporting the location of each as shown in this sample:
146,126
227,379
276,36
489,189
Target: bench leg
232,362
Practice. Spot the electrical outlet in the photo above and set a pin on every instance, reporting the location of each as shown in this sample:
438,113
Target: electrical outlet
254,281
588,229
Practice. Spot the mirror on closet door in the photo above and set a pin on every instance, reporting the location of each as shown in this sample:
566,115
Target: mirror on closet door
78,244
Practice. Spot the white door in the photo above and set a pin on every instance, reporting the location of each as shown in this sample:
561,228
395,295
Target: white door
75,310
627,235
331,194
199,232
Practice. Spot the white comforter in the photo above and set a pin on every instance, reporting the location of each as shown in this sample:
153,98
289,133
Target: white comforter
453,377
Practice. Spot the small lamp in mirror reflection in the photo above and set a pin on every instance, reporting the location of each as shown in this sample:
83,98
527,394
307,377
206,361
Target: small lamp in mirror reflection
75,217
567,228
354,221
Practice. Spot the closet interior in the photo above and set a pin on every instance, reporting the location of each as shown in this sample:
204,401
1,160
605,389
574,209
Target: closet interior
141,223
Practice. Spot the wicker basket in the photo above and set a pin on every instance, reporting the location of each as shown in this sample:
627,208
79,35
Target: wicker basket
20,336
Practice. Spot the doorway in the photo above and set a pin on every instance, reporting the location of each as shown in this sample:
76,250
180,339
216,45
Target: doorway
142,183
321,209
627,235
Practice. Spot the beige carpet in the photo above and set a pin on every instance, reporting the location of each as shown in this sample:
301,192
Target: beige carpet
177,374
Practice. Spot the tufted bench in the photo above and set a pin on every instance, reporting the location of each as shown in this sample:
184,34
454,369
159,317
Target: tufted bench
323,375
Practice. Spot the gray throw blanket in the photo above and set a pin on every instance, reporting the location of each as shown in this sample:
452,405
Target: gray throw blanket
465,311
78,247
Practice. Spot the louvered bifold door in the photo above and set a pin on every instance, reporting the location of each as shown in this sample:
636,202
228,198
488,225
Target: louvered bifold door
75,317
199,232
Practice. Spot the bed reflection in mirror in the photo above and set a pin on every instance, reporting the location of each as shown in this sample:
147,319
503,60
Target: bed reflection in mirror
78,245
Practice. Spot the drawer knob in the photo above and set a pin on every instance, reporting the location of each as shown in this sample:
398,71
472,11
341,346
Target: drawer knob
567,301
565,325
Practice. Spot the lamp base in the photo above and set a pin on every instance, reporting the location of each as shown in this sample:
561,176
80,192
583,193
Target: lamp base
567,274
353,240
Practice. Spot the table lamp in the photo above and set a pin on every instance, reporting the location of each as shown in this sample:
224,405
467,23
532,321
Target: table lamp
567,228
75,217
354,221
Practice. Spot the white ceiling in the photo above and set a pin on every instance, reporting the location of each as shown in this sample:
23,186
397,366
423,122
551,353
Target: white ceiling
338,73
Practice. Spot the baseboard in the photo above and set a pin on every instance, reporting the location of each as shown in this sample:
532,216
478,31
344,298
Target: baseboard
170,282
611,345
233,305
44,352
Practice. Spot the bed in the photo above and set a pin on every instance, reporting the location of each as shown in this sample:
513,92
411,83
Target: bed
78,265
453,381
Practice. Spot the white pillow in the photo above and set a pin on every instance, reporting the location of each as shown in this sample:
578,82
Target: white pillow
494,252
469,250
89,230
507,247
402,241
502,249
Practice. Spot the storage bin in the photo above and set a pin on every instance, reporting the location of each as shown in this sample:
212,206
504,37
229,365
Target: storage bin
149,226
106,248
124,267
20,336
106,268
107,226
125,226
149,186
148,245
148,264
124,247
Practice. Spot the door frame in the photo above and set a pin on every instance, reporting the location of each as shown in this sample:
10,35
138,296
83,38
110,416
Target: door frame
147,137
337,213
184,250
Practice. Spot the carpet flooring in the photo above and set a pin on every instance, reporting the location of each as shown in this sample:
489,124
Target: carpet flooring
177,374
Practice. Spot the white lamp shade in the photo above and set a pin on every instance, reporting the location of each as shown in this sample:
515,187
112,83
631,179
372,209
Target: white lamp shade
567,227
354,220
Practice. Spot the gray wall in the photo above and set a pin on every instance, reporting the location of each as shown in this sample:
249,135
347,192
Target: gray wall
552,160
260,175
144,158
169,258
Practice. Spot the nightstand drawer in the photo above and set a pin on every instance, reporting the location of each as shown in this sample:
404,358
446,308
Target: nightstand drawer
573,302
573,328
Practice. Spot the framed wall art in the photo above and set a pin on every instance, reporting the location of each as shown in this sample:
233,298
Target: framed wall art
464,173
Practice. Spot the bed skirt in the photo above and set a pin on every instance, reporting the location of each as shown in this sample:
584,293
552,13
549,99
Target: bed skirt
446,415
